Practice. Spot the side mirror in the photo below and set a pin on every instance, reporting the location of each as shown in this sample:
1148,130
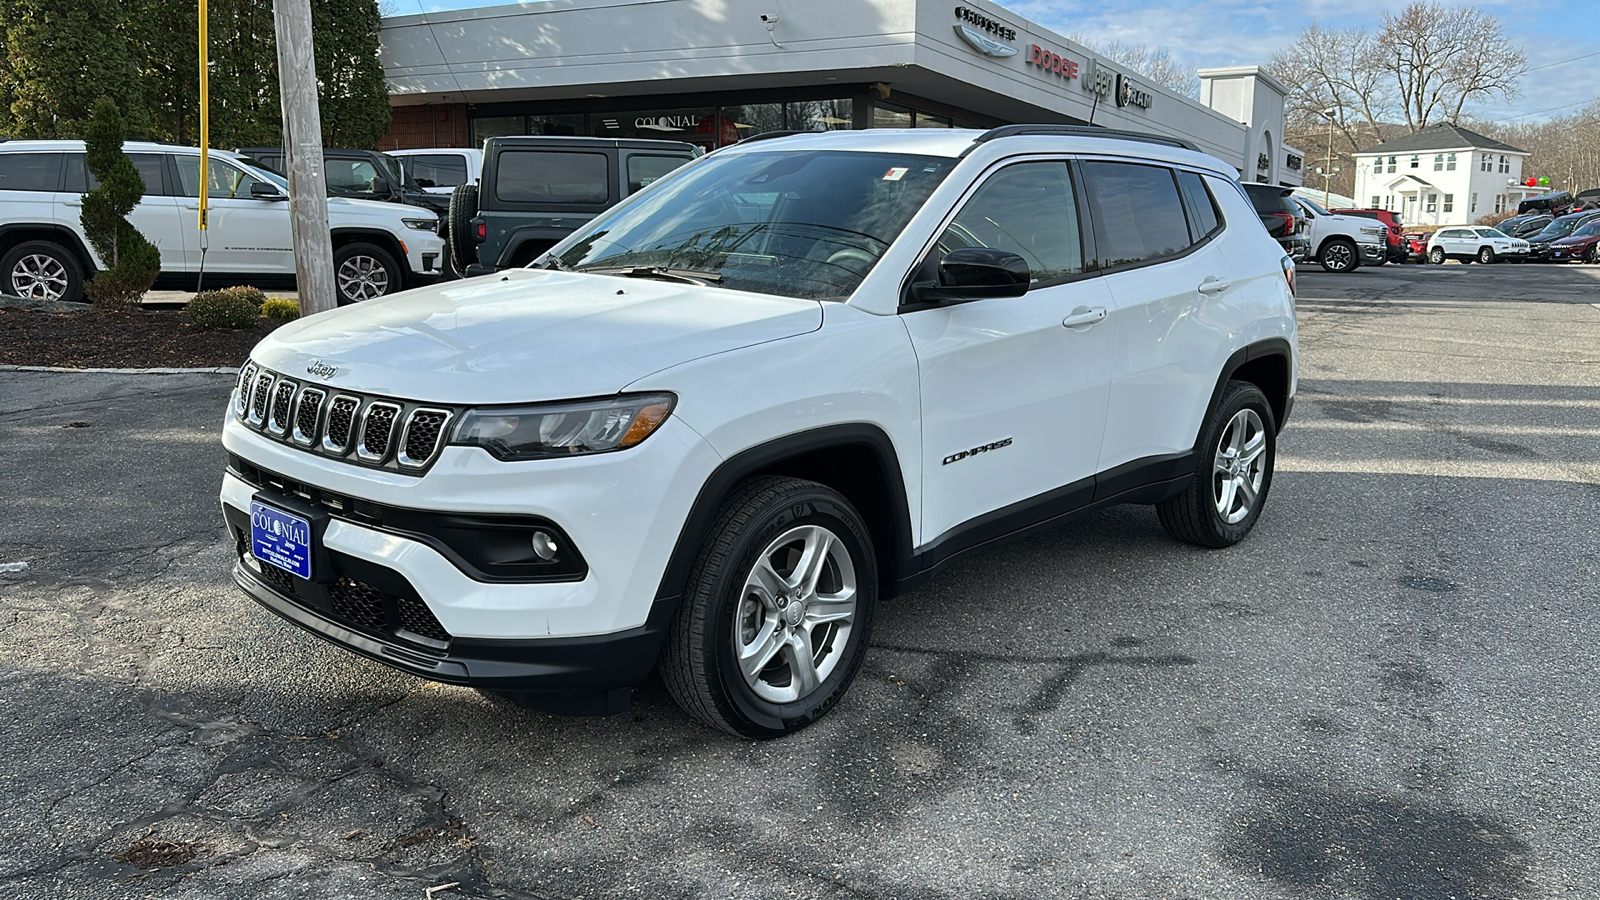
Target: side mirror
974,273
265,190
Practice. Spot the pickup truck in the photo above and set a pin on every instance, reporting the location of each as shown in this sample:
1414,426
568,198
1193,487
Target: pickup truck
1342,243
536,190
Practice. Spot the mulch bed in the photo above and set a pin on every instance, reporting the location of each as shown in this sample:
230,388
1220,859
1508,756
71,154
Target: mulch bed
131,340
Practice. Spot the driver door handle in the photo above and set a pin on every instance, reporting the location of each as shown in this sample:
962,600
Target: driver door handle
1214,285
1084,316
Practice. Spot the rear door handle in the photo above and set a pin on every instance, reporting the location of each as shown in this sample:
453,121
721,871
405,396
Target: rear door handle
72,203
1083,316
1214,285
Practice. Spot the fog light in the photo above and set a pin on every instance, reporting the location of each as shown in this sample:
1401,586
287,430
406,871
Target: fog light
544,546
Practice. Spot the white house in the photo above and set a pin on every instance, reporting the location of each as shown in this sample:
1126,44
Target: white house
1442,175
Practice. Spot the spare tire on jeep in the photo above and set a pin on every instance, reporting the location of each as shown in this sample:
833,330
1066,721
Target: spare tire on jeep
463,243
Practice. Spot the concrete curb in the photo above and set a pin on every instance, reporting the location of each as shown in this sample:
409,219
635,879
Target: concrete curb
217,370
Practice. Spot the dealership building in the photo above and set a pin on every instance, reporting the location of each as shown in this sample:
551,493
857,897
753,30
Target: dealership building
713,72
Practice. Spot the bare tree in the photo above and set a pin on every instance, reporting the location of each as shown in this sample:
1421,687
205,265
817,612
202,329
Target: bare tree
1439,58
1154,63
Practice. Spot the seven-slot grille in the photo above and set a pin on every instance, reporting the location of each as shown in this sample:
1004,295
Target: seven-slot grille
371,431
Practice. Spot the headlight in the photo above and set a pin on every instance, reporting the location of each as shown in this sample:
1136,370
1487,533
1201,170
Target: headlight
1375,231
564,429
422,224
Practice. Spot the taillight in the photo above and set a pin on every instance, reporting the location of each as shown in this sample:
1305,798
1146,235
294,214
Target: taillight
483,231
1288,223
1288,274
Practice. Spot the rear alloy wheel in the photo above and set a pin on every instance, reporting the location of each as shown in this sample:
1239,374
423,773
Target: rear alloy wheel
1436,256
40,270
775,618
364,272
1339,255
1486,255
1233,472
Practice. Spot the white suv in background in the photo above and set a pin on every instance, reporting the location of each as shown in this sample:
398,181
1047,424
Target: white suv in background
440,170
379,248
715,426
1475,242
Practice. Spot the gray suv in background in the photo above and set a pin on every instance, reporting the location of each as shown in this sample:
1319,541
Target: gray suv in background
537,190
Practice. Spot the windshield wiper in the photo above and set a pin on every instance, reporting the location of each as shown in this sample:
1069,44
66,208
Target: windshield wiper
551,261
660,273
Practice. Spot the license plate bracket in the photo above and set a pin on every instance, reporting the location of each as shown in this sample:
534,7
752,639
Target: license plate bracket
282,539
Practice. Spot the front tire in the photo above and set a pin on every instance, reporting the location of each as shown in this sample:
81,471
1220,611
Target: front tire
1339,256
1486,255
42,270
362,272
1436,256
1233,472
777,611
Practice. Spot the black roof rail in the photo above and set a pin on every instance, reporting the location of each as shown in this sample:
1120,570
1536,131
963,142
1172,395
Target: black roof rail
1080,131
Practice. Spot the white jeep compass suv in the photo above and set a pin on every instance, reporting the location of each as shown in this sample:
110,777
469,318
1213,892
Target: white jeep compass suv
713,428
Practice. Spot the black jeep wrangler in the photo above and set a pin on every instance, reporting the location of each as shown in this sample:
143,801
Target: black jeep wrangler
537,190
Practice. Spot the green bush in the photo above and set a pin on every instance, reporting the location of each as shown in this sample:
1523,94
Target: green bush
227,308
281,310
244,292
132,261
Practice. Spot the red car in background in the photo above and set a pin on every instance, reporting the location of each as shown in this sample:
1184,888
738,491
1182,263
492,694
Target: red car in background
1582,245
1416,246
1398,250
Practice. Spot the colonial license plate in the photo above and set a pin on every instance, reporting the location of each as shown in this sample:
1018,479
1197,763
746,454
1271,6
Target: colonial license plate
280,539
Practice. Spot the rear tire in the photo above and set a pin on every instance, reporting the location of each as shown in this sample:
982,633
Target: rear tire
777,613
1233,472
463,209
41,270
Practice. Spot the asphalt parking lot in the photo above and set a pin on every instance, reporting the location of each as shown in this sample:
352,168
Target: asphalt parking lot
1387,691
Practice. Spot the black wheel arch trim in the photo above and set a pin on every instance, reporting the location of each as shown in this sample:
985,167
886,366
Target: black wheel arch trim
894,561
382,239
1263,349
45,231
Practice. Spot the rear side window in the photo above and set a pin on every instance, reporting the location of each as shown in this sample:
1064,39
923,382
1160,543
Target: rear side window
1202,206
1028,209
1268,199
441,170
1137,212
644,169
544,176
81,181
30,171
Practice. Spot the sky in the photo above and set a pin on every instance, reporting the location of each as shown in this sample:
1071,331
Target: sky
1243,32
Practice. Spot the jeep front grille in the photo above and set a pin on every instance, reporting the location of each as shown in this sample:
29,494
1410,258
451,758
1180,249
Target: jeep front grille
372,431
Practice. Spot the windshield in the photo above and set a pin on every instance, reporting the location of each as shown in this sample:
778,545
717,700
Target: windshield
1588,230
1561,227
808,224
1315,207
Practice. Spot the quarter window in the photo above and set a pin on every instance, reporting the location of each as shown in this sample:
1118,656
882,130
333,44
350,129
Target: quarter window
1137,212
29,171
1202,206
436,170
1028,209
642,170
544,176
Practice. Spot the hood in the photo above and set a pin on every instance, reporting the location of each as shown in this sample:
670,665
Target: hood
1576,239
528,335
380,207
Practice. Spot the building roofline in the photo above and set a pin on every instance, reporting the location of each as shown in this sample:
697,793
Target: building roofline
1245,72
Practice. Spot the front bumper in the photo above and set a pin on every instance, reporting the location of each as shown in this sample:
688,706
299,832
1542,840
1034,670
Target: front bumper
1373,254
1567,254
581,675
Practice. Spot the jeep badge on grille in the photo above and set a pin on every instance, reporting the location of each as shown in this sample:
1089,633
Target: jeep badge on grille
321,369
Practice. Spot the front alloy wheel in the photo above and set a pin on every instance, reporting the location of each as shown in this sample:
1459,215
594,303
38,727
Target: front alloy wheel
1486,255
777,611
1436,256
362,272
1338,256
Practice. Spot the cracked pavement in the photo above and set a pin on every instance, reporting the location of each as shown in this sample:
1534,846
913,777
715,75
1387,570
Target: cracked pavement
1386,691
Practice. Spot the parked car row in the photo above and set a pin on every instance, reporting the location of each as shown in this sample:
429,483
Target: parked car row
1309,233
378,247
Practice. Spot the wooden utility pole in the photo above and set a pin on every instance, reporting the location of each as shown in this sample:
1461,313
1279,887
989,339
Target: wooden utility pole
302,151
